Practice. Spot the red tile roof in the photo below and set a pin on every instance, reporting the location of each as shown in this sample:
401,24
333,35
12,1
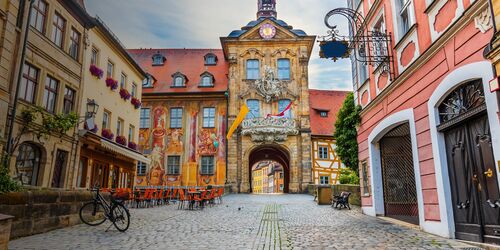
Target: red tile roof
325,100
190,62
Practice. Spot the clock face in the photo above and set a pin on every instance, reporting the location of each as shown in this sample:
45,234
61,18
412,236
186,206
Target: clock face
267,31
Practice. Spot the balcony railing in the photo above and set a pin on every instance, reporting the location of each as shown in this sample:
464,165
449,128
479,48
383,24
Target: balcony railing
269,129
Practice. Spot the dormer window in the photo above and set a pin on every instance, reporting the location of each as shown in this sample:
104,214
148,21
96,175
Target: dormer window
179,80
207,80
210,59
148,81
158,59
323,113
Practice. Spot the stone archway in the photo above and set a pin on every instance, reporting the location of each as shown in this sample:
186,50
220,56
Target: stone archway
270,153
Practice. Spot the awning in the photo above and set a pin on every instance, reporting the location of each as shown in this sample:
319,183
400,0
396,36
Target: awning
124,151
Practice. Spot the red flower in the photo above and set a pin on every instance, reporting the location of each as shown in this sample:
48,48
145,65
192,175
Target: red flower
96,71
125,94
121,140
106,133
111,83
136,102
132,145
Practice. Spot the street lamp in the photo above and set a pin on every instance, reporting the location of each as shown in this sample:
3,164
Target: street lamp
92,108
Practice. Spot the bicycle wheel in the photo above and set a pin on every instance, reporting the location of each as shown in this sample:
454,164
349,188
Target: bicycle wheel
121,217
92,213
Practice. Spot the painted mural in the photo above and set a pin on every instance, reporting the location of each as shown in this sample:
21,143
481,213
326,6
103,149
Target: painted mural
189,143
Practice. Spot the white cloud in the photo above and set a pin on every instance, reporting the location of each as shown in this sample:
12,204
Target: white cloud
200,23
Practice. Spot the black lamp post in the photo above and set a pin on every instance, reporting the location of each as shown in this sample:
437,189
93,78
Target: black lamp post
92,108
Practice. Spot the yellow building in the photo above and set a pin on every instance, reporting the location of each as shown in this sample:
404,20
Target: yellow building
109,141
257,187
51,78
324,107
268,71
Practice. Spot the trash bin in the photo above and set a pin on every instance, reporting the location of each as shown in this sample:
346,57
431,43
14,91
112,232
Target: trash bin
324,194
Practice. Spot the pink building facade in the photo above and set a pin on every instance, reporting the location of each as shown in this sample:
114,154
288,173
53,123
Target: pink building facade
429,140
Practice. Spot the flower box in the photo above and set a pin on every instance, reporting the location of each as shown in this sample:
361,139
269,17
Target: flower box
137,104
124,94
106,133
96,71
111,83
94,130
132,145
121,140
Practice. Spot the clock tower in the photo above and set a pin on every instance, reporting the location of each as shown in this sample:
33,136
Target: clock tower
268,71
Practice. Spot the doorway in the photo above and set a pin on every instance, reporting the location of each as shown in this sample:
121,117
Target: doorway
275,160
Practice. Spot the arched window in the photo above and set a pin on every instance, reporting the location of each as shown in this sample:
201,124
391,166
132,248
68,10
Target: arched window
254,107
284,69
179,80
464,99
210,59
28,163
148,81
282,105
158,59
207,79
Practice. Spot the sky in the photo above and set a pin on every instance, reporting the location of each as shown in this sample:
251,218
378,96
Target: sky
200,24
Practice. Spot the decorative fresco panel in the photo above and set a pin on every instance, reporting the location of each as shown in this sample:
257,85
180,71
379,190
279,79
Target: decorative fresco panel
208,142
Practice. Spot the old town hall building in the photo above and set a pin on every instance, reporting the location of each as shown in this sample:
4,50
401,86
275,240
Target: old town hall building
192,95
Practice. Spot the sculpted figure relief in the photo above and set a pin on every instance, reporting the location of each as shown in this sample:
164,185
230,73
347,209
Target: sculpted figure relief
269,87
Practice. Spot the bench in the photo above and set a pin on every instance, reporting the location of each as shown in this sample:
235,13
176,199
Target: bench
341,201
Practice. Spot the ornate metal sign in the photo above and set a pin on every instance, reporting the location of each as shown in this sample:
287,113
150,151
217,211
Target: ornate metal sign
367,46
269,87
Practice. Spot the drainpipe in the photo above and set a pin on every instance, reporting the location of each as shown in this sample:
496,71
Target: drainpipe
227,126
18,83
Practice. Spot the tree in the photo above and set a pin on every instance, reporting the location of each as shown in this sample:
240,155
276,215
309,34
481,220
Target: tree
346,133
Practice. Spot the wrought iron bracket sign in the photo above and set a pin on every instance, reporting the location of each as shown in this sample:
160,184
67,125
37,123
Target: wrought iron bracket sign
366,46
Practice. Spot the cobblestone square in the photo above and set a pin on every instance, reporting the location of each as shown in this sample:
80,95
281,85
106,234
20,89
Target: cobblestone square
244,222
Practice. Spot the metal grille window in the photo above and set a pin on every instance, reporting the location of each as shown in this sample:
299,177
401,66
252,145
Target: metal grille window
58,27
69,100
364,171
145,121
209,117
282,105
27,89
176,118
50,94
173,165
254,107
141,169
284,69
39,15
324,180
253,69
28,163
323,152
207,165
74,45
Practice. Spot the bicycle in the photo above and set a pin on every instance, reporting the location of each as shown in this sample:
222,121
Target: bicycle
96,212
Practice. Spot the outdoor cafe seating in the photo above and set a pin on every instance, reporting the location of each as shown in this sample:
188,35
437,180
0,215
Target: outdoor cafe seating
185,197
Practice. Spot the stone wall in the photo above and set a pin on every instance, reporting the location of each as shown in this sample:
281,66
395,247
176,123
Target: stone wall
39,211
354,199
5,225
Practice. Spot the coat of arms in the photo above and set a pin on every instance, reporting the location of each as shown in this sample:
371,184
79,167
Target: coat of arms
269,87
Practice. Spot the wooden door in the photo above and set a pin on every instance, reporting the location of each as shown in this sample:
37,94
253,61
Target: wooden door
473,181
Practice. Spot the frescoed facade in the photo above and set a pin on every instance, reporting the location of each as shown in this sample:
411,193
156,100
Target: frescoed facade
183,117
419,119
324,106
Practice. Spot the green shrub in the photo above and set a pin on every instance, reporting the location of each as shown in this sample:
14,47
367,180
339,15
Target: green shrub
7,184
348,176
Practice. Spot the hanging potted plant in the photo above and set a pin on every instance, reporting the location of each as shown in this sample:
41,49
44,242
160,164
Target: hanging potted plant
132,145
124,94
136,102
96,71
111,83
106,133
121,140
94,130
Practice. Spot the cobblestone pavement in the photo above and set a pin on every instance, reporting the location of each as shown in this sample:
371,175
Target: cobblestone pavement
243,222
